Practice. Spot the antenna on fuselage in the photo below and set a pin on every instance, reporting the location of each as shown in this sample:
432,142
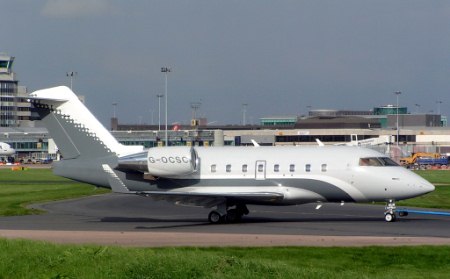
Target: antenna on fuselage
255,144
319,142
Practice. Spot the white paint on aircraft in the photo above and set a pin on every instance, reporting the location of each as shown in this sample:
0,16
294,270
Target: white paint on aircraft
224,178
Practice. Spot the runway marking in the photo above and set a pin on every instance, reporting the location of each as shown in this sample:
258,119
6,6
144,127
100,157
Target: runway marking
164,239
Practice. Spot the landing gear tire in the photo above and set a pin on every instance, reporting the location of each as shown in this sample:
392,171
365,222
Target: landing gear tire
233,215
214,217
224,215
389,217
389,213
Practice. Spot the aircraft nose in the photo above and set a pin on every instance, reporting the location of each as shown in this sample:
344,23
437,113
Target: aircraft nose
426,187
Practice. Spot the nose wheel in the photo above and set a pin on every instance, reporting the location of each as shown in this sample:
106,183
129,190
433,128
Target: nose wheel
389,213
390,217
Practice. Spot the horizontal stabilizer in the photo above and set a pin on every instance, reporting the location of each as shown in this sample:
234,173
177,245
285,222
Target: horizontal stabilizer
115,182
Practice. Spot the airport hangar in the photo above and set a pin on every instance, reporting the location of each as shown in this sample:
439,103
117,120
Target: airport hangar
416,133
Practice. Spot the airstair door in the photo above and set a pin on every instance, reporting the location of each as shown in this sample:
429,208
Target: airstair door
260,170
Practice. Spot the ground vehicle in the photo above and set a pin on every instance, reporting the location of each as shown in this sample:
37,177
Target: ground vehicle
415,156
424,159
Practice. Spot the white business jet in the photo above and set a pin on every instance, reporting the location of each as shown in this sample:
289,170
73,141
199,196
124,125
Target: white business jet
226,179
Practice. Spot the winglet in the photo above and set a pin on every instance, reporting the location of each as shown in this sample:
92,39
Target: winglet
115,182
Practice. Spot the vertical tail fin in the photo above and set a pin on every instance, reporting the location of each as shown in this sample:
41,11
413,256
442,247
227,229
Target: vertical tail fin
77,133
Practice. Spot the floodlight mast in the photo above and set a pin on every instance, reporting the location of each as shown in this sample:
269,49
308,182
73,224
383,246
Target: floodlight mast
159,96
397,93
166,70
71,74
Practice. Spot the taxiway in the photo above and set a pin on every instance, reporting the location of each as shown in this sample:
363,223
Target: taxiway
133,220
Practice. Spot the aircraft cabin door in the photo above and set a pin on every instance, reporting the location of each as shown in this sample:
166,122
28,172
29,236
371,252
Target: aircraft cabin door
260,170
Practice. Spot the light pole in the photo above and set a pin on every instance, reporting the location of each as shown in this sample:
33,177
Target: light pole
159,96
71,75
114,109
244,112
166,70
417,108
397,93
195,106
114,121
439,106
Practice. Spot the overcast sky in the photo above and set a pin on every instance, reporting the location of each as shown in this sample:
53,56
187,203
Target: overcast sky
279,57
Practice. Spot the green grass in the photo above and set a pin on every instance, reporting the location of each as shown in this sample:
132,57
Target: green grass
32,259
21,188
440,198
440,177
28,259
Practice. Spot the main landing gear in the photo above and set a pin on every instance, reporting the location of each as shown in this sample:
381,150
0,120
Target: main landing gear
389,214
225,215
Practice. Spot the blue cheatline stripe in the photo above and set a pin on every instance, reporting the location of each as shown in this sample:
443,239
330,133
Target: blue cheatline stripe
425,212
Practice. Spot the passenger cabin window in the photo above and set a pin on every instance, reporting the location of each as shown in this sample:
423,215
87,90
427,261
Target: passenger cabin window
377,162
260,168
228,168
291,167
324,167
244,168
307,167
213,168
276,168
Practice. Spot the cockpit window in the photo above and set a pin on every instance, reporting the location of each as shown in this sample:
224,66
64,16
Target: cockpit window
377,162
388,161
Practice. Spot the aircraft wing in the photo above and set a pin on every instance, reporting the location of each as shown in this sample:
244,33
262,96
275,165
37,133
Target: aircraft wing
212,199
204,199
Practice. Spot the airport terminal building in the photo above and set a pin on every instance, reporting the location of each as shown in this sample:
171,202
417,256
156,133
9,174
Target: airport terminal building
34,144
382,128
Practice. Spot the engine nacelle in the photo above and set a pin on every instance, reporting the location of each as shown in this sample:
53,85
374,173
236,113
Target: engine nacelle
162,161
172,161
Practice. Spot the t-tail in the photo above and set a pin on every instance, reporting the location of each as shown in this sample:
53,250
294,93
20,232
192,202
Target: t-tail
84,143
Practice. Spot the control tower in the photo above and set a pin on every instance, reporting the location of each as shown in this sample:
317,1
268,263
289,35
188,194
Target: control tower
14,108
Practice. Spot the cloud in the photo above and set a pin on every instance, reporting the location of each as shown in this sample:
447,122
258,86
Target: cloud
76,8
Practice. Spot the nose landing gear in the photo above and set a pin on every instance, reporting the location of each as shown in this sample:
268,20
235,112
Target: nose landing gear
389,213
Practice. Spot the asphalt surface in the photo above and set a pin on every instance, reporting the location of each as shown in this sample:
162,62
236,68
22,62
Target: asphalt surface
129,213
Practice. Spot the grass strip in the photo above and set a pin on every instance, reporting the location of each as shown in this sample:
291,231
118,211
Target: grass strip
439,198
439,177
31,259
21,188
